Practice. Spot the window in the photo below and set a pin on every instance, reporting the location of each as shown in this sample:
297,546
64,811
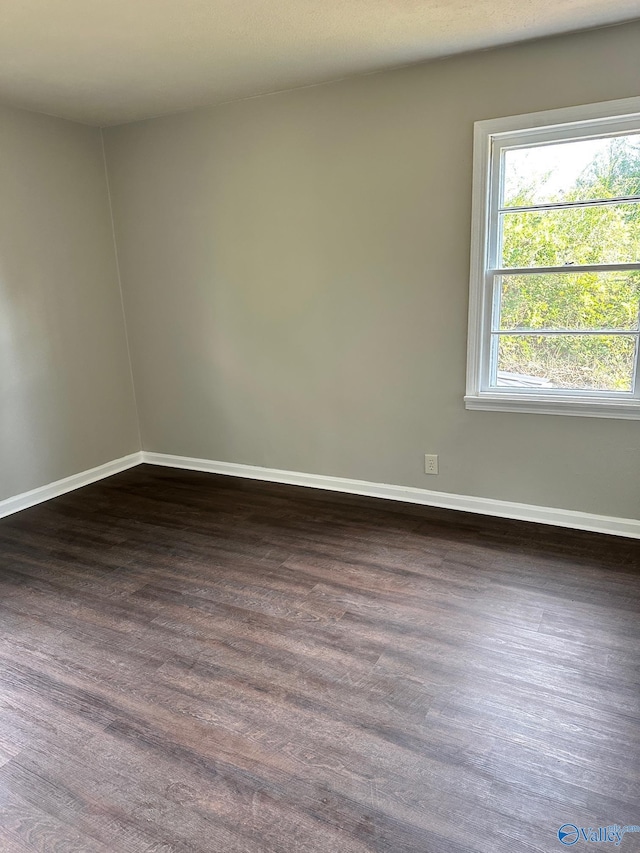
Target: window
555,265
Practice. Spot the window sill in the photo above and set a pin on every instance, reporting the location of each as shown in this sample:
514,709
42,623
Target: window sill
536,405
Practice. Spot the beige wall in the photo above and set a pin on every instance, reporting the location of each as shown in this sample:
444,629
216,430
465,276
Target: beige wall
295,271
66,401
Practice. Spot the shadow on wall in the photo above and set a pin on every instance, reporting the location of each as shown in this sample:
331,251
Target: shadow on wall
26,395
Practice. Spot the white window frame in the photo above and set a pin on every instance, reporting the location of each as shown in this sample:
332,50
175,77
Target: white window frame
489,139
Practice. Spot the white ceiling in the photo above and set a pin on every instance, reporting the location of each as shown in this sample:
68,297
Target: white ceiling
111,61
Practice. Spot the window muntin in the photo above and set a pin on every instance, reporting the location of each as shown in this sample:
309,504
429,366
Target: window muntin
557,315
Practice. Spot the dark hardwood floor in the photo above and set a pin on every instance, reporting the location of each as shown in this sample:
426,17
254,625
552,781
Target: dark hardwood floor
193,664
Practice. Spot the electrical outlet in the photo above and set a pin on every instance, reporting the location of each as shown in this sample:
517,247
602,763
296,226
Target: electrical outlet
430,463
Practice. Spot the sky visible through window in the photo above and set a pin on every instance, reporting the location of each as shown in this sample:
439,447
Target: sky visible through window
551,171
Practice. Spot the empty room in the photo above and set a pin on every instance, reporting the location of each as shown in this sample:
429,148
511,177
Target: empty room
319,426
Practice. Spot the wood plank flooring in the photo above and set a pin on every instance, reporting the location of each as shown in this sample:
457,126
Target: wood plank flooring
196,664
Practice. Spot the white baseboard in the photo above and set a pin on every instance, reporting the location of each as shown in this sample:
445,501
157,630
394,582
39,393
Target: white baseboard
68,484
574,519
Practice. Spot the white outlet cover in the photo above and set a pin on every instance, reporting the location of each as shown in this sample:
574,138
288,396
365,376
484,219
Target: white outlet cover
430,463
